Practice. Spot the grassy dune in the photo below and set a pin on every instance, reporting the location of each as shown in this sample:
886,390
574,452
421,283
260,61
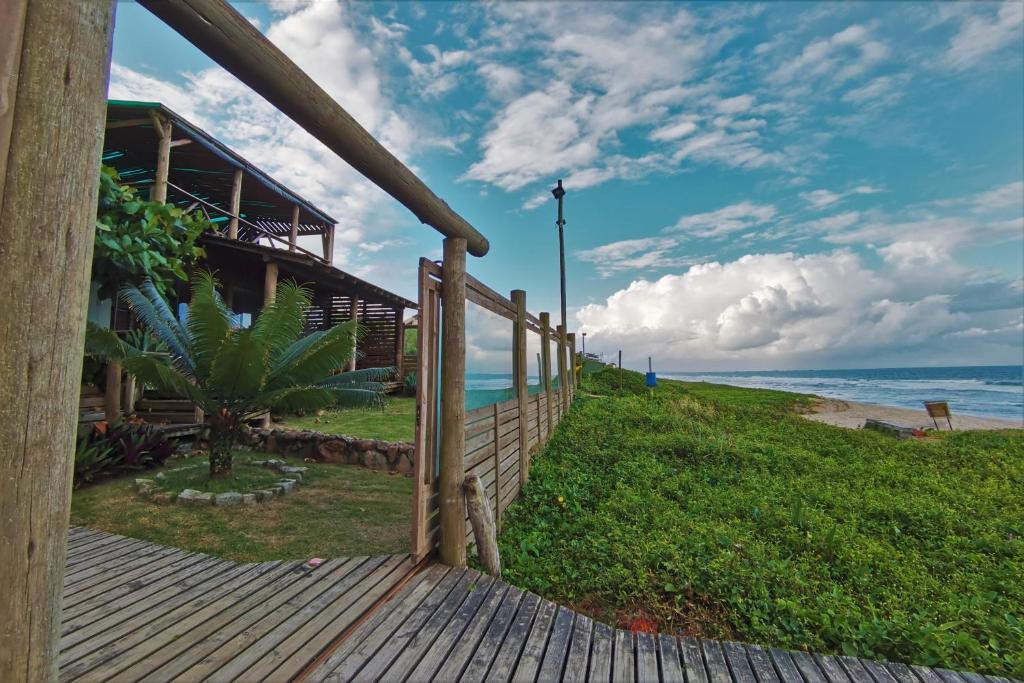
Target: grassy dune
718,511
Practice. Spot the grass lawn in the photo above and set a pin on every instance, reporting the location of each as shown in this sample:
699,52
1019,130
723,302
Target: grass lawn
718,512
396,422
337,511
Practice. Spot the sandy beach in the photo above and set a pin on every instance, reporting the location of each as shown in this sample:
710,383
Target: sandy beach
853,415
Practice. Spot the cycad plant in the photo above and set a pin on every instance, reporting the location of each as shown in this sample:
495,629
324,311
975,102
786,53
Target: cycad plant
236,374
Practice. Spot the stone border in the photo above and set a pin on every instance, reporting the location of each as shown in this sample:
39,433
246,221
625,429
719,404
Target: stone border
145,489
375,454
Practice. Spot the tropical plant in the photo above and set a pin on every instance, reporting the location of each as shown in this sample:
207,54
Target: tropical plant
234,375
138,239
105,449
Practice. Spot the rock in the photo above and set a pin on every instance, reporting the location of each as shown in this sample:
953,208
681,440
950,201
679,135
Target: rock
248,499
293,472
365,444
160,475
143,483
263,495
286,484
193,497
334,451
226,499
162,498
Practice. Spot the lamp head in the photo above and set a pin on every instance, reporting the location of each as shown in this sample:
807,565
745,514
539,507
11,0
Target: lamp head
558,191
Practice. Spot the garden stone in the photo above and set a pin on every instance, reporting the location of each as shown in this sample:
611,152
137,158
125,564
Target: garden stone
160,475
263,495
229,498
193,497
162,498
248,499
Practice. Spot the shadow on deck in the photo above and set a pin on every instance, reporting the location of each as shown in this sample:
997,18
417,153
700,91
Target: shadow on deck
134,610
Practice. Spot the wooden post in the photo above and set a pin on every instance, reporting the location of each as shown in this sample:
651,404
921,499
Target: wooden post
400,344
522,386
484,532
54,63
112,395
163,159
270,283
355,333
563,377
236,204
129,395
497,470
453,402
571,352
545,355
328,239
293,236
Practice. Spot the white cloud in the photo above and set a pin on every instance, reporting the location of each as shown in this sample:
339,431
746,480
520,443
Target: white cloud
639,254
820,199
834,60
503,82
735,105
727,220
983,33
772,310
673,131
881,91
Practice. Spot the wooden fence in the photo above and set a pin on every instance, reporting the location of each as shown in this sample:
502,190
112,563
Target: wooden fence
499,438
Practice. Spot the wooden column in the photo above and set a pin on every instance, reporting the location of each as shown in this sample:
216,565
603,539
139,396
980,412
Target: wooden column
236,204
522,386
563,377
293,236
112,395
54,63
270,283
572,362
453,402
355,333
400,344
163,159
328,239
497,470
545,356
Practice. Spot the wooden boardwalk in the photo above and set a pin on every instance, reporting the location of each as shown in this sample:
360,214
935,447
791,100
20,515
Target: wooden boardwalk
137,611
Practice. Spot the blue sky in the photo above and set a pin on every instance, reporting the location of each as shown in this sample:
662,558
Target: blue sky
749,186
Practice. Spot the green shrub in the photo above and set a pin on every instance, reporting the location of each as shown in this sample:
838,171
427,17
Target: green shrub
721,513
108,449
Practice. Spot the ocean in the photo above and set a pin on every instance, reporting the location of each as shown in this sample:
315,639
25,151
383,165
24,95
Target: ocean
983,391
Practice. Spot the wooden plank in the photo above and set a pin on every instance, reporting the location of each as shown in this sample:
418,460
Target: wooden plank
784,664
489,645
736,657
372,650
808,667
453,403
901,672
668,656
856,671
624,658
949,676
832,669
602,646
693,661
193,629
579,649
99,573
761,664
461,653
450,631
552,665
926,674
304,642
646,657
714,658
104,587
507,655
533,650
881,675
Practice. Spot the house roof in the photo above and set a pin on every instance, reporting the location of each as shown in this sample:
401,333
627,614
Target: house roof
204,167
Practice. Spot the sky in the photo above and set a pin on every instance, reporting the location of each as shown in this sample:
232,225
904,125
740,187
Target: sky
749,186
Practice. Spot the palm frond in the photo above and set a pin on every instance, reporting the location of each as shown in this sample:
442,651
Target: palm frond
149,306
104,343
209,321
280,323
294,399
358,398
359,376
153,371
238,370
332,350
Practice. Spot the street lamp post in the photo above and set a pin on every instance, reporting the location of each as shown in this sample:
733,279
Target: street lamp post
559,193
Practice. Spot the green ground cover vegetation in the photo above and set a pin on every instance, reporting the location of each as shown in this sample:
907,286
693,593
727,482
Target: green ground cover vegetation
338,511
396,421
719,512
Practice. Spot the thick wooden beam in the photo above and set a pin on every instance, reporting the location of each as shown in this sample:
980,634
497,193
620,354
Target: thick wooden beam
112,394
328,239
293,236
163,160
545,355
519,332
400,344
54,63
484,530
270,283
236,203
129,123
232,41
453,402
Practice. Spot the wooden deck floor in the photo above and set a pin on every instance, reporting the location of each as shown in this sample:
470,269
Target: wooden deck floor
455,624
136,611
